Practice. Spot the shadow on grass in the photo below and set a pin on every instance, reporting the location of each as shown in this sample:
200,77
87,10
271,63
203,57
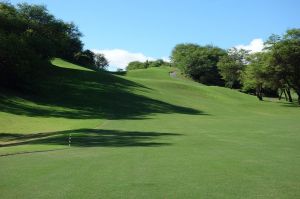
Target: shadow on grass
289,104
87,138
78,94
122,73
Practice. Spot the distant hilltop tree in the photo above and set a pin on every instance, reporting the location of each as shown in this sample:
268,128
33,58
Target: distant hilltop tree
147,64
100,61
89,59
85,58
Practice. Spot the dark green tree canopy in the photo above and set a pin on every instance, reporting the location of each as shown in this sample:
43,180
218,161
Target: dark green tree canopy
29,38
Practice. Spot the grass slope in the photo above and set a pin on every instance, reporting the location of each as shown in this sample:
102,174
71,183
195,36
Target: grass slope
145,135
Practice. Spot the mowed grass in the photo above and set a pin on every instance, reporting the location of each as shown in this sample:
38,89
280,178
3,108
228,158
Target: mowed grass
145,135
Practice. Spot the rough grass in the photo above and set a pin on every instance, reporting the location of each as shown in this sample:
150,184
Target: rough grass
145,135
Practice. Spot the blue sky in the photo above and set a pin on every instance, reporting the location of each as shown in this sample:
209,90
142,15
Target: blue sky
144,29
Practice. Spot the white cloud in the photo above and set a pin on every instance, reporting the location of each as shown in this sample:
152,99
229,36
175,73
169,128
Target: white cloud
256,45
166,59
119,58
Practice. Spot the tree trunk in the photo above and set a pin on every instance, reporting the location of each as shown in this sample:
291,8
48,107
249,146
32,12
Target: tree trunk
288,91
259,92
298,93
285,95
283,91
280,95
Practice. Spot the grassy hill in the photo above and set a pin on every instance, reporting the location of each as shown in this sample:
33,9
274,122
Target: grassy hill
144,135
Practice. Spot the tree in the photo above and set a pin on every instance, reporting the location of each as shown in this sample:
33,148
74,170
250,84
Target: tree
231,67
22,48
199,62
255,75
284,62
100,61
64,36
182,56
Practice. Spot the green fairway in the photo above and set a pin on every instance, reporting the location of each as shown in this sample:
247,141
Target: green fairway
145,134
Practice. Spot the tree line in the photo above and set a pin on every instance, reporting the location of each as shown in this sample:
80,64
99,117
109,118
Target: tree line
30,37
274,71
